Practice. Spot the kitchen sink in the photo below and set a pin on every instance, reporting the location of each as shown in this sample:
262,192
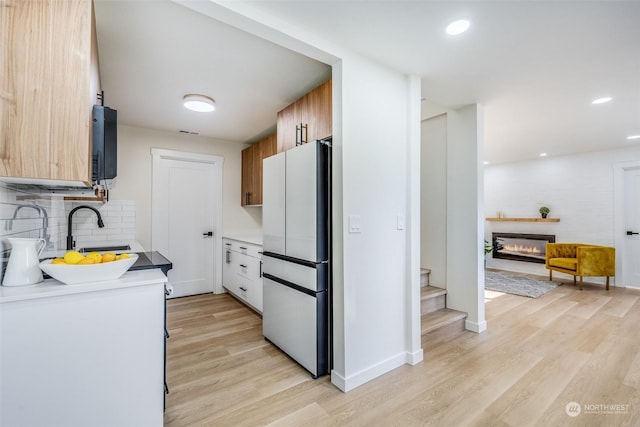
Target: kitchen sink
105,248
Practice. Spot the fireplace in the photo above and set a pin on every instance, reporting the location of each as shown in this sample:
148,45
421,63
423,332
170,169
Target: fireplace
521,247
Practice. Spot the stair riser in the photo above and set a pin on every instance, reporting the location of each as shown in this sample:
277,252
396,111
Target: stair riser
424,279
443,334
432,304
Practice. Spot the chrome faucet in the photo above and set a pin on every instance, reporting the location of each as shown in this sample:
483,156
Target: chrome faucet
70,242
41,211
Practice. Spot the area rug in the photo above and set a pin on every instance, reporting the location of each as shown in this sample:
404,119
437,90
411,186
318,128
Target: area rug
518,285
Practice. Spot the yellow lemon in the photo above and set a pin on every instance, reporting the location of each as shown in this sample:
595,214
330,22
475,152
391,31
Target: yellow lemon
108,257
87,260
57,261
123,256
96,256
73,257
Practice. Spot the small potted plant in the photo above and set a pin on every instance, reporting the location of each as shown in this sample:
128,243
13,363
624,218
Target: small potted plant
544,211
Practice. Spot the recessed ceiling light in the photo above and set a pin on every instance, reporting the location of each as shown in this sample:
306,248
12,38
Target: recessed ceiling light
602,100
486,163
458,27
633,137
199,103
543,154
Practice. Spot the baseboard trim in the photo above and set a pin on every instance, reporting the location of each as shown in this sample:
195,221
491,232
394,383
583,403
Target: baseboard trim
366,375
475,326
415,357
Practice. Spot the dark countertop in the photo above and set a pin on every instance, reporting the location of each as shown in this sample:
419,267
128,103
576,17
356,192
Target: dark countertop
150,260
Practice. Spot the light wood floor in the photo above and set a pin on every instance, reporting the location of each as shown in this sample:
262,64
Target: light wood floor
537,356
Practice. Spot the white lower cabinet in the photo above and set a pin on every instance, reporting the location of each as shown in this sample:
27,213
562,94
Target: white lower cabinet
242,271
81,355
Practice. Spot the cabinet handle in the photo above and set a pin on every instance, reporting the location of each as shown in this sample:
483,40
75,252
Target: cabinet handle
243,266
299,131
243,289
228,257
243,248
247,198
260,268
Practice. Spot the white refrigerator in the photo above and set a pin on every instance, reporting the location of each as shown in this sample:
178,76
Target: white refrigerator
296,272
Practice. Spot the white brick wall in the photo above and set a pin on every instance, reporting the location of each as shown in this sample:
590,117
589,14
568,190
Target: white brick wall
119,217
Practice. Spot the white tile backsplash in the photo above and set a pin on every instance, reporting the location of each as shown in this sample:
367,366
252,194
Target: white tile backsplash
19,219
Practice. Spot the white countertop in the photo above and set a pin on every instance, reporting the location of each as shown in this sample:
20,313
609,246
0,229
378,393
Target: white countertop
53,288
247,236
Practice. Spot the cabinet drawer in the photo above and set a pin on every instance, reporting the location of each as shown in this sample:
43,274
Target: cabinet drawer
250,250
242,247
245,289
248,267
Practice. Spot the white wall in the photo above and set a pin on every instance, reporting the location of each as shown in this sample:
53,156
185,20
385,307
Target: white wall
433,203
579,189
373,142
134,175
465,262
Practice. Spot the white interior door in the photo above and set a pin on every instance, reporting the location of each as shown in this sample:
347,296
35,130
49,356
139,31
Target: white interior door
184,213
631,262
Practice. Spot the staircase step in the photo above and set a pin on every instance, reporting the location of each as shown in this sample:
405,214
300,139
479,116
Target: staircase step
424,276
432,299
442,325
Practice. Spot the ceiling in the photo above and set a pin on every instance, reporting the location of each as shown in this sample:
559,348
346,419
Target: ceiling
152,53
534,66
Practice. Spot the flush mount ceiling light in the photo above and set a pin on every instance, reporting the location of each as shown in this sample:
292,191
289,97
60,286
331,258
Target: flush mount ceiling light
633,137
602,100
543,154
458,27
199,103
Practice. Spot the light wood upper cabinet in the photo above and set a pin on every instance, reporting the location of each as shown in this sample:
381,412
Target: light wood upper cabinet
48,87
252,169
313,110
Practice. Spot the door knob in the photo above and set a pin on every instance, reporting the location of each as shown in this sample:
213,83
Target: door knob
208,234
631,233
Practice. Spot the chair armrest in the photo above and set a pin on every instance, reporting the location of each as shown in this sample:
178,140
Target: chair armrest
596,261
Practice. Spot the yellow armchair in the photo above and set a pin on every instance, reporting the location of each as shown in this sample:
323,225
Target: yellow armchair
580,259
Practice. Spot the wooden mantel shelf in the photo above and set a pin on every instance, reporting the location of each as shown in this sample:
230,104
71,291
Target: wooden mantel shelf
524,219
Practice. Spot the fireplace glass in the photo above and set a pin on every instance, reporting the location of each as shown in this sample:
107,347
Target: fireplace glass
521,247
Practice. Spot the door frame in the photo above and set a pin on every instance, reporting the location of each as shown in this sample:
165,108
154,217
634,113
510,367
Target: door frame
158,155
619,170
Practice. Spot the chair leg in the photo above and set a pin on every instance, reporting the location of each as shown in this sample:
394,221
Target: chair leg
607,282
574,280
580,282
550,275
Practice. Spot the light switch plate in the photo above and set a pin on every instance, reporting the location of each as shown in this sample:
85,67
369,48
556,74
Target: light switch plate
354,224
400,222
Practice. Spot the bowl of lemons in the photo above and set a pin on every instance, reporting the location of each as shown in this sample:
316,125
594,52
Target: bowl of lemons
75,268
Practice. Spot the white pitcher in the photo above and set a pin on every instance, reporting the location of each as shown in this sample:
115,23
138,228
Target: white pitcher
23,268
